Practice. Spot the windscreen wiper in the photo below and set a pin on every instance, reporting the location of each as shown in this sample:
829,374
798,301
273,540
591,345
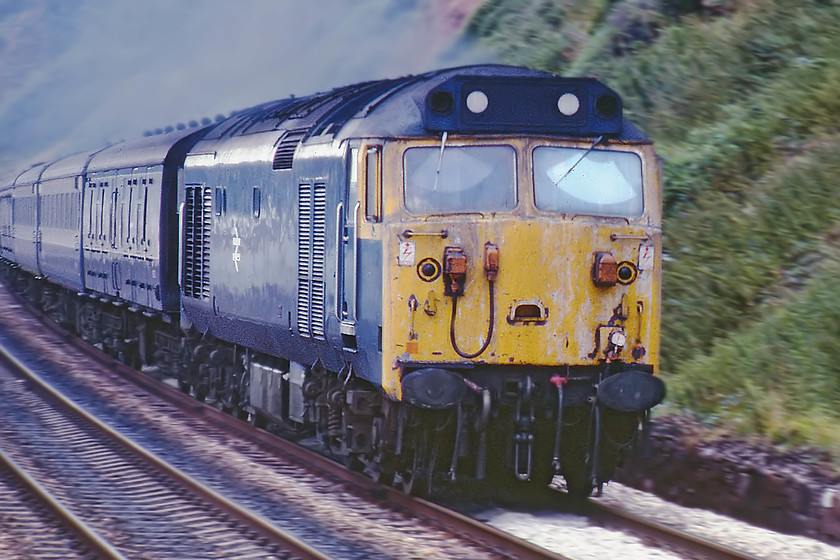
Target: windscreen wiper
580,159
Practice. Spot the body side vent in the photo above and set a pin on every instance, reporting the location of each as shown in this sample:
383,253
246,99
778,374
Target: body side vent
319,261
198,210
312,238
304,298
284,156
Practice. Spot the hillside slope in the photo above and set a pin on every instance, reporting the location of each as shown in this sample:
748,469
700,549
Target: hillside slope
741,98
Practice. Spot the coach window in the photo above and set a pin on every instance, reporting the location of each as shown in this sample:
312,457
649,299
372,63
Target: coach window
373,184
100,226
90,210
128,237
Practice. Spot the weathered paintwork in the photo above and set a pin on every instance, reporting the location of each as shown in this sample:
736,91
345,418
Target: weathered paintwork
546,262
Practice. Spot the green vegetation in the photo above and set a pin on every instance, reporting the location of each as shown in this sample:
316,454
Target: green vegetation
742,98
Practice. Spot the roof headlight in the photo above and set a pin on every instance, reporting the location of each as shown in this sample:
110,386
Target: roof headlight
477,101
441,102
568,104
607,106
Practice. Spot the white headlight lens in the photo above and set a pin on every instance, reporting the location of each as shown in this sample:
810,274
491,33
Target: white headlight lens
568,104
477,102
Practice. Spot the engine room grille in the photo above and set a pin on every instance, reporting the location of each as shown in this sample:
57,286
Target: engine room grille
198,211
312,253
284,156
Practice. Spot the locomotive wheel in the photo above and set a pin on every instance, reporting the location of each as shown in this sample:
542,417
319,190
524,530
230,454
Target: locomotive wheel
542,472
542,468
256,420
201,391
381,468
380,465
578,484
412,476
577,452
240,413
417,478
130,357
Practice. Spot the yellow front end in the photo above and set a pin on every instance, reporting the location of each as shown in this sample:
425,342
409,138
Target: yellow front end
567,290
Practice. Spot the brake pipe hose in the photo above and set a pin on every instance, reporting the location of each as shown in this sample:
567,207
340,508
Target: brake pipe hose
484,346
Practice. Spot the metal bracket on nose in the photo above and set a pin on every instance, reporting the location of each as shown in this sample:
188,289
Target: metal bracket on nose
409,233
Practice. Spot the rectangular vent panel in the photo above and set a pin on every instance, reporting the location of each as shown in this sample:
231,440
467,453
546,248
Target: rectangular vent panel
198,210
304,259
312,237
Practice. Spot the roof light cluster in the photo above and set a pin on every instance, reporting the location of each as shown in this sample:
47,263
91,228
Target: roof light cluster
476,104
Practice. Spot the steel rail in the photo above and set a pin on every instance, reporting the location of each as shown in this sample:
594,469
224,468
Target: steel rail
451,520
659,532
98,544
251,519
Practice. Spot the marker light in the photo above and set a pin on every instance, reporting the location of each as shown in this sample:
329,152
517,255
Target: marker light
569,104
477,102
518,103
618,338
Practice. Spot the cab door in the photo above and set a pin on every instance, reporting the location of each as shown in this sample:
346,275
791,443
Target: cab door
348,221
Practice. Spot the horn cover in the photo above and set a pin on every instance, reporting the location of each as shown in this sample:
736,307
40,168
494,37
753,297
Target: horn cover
631,390
433,388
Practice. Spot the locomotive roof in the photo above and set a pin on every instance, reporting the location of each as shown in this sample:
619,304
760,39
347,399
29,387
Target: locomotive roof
517,100
526,102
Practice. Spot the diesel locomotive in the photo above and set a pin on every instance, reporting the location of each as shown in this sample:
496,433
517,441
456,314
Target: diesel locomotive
445,277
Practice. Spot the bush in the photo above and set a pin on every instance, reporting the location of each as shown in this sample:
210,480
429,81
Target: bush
777,377
730,253
741,101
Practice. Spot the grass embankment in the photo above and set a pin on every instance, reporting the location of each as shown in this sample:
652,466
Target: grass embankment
743,101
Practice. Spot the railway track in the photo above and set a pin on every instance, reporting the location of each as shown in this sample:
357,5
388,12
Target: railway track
337,512
34,525
115,495
430,528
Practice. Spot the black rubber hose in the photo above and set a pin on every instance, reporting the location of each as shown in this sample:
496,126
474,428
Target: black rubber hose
489,329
